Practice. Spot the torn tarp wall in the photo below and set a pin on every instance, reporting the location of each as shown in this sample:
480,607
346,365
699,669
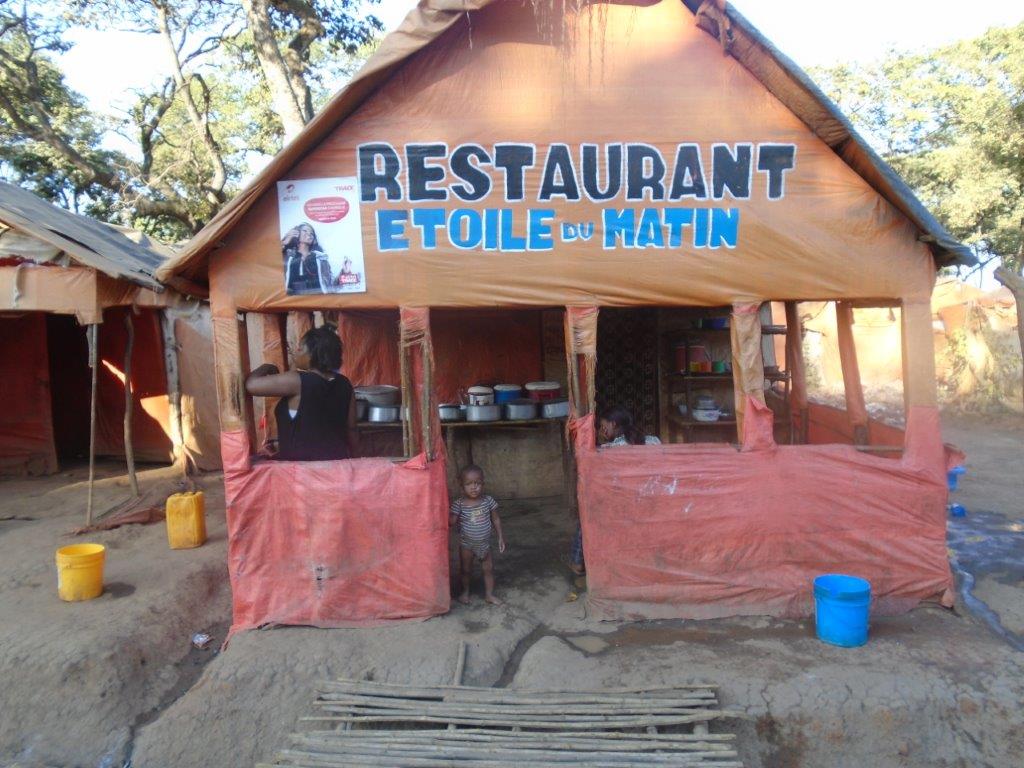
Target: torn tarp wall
703,531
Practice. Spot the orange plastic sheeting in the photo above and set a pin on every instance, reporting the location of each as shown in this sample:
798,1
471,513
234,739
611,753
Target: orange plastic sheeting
370,342
65,290
754,420
199,418
702,531
470,347
333,544
485,347
826,424
151,410
637,73
851,372
26,424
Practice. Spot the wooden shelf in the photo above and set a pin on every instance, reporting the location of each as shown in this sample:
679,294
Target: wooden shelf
501,423
466,424
702,376
685,421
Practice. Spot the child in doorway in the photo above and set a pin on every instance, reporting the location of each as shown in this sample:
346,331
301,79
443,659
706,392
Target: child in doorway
476,514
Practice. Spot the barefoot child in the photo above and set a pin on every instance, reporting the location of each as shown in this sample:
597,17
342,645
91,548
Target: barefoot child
476,515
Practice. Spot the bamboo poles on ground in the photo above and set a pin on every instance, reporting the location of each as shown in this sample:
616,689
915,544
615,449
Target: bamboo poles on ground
129,450
92,336
388,724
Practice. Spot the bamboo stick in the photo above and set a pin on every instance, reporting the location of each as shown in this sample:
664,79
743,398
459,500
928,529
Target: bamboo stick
129,450
92,335
329,702
611,738
303,758
508,753
391,738
512,695
681,699
408,691
547,724
505,718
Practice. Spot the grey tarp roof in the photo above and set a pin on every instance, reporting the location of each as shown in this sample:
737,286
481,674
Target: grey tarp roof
426,22
86,241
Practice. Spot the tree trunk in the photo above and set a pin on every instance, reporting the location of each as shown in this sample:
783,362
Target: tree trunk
286,102
1015,283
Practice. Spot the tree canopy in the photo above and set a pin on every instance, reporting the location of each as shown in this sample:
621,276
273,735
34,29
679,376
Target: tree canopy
951,122
241,76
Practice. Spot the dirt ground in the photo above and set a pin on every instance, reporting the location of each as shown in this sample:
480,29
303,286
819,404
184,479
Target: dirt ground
116,682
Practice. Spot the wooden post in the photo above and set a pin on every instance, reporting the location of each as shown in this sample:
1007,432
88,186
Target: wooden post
92,335
425,405
796,366
129,450
406,398
855,408
173,389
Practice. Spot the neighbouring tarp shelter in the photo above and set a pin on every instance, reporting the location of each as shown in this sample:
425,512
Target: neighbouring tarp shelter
585,159
61,273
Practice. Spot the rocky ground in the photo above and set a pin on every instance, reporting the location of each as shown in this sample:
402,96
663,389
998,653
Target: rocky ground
116,680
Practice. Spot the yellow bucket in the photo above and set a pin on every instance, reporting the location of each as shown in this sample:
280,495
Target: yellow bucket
80,571
186,520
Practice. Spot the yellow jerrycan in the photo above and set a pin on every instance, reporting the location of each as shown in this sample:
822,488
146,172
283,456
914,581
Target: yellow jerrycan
186,520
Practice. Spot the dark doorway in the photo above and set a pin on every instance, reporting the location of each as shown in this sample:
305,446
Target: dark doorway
70,385
627,363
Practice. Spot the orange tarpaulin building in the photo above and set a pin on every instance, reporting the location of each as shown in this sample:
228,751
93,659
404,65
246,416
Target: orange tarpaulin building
617,155
61,274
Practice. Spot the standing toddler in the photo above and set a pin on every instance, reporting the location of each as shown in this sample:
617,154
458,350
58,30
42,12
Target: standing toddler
476,514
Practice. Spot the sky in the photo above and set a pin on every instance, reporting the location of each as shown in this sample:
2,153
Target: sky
106,65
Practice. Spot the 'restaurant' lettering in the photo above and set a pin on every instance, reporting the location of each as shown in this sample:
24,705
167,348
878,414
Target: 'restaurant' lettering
634,174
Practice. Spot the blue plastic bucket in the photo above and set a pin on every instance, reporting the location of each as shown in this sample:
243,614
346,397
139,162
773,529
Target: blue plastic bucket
841,605
953,477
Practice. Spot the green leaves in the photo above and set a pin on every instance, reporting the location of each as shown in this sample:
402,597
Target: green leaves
951,122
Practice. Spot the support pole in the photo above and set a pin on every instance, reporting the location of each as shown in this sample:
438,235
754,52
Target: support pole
796,366
129,450
91,334
855,408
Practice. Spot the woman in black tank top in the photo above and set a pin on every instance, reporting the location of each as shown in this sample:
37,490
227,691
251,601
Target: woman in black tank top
316,415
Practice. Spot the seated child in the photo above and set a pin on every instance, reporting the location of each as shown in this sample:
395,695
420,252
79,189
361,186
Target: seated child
476,515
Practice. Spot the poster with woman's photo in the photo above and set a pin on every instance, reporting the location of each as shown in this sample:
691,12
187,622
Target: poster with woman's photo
321,238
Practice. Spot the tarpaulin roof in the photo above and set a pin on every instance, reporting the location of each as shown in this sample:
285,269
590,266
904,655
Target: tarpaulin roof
88,242
431,18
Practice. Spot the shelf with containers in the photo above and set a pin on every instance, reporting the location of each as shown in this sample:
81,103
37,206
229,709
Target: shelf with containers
695,371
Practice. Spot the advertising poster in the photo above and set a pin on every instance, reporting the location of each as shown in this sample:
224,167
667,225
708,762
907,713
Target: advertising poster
321,237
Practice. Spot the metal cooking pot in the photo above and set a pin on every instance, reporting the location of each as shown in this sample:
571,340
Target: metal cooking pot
451,412
379,394
383,413
483,412
361,408
519,409
555,409
480,395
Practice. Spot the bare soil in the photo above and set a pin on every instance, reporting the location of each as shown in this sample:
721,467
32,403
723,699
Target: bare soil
115,681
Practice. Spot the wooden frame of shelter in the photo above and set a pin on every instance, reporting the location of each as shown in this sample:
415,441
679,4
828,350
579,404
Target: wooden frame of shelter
669,531
57,262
